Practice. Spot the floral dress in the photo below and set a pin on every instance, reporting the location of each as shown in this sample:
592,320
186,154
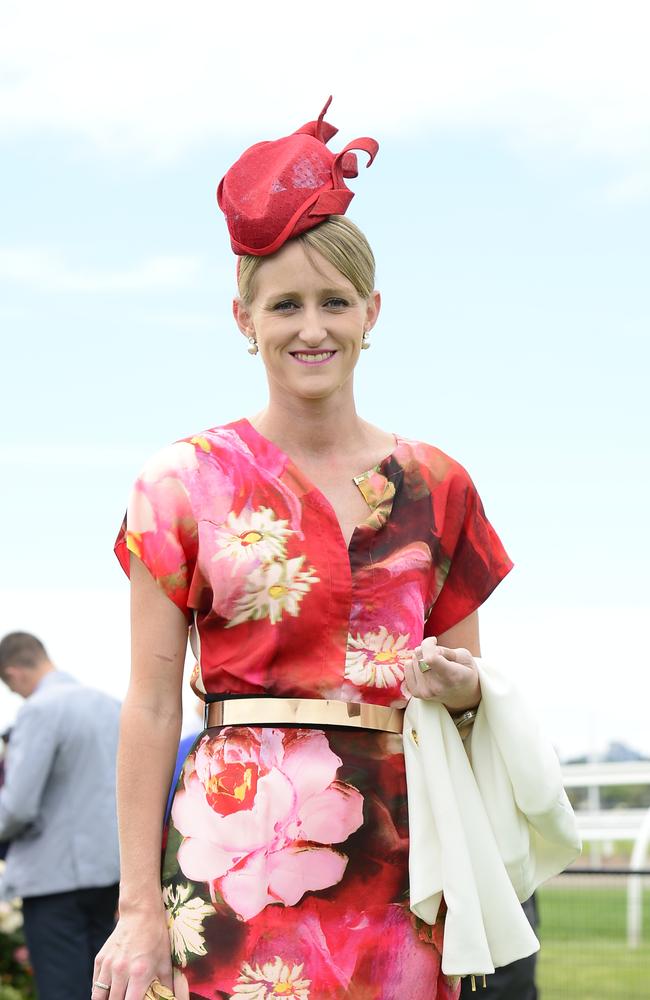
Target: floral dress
285,868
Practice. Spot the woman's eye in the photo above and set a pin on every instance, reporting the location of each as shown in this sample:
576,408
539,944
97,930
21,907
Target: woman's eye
285,306
336,303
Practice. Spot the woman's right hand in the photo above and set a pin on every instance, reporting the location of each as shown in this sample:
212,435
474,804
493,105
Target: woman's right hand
136,953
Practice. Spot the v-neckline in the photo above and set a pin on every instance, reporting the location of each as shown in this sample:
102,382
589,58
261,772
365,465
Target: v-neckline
362,481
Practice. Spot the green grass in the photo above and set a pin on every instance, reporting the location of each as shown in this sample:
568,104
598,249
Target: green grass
584,952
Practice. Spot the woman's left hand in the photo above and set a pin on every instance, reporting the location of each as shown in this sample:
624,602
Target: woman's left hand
451,676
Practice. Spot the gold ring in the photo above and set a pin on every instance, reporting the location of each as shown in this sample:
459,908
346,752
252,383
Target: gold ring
423,665
100,986
158,992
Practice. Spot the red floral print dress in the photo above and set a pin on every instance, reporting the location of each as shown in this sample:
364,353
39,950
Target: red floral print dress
285,871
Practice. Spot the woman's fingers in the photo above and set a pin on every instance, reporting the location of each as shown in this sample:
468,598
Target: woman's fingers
139,983
446,661
97,967
104,987
99,992
449,675
136,954
158,991
167,979
126,983
419,684
459,655
119,983
410,678
181,988
143,975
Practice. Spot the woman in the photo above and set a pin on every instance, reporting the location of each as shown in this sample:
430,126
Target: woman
322,562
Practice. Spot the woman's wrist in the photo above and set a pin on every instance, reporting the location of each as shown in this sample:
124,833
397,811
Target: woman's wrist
139,901
469,701
456,713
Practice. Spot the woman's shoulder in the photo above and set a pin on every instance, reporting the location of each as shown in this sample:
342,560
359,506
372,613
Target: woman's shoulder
430,460
186,454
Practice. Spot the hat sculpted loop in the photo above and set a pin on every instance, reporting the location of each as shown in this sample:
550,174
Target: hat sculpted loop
279,189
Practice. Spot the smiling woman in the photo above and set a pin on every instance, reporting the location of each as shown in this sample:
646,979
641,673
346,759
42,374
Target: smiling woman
332,570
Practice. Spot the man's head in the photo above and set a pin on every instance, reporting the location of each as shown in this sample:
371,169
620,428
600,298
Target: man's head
23,662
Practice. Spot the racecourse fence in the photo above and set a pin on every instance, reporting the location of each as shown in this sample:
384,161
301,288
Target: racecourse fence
586,949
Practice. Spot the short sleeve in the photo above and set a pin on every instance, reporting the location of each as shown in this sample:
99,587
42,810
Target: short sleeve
470,559
160,527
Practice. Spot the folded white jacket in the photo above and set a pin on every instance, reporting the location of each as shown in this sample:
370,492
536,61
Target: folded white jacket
489,821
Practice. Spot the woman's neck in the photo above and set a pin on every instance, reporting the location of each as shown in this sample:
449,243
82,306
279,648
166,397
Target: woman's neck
313,428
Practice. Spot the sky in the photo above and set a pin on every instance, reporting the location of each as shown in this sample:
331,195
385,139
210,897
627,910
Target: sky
509,211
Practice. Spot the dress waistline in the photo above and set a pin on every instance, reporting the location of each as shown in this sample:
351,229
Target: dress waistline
302,712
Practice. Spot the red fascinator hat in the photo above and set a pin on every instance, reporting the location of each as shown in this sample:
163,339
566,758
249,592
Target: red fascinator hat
280,189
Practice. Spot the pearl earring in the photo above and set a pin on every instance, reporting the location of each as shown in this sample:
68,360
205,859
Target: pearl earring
253,348
365,342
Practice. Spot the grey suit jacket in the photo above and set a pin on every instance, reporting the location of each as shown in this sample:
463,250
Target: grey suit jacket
57,806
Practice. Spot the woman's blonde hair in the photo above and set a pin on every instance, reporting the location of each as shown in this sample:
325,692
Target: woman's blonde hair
339,241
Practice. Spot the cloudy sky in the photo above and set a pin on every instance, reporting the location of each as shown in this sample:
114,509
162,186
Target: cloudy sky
509,209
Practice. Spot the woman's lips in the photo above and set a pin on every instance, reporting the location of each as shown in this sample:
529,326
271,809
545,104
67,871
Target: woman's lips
312,357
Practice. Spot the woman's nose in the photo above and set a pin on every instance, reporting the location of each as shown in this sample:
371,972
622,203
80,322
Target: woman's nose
312,333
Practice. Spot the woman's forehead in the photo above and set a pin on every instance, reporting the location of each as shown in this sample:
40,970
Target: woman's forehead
294,268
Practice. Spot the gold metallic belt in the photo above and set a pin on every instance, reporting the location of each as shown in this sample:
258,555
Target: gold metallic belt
302,712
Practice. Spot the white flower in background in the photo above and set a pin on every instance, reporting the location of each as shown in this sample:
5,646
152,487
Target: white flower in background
377,658
11,916
11,912
272,589
271,980
252,536
185,916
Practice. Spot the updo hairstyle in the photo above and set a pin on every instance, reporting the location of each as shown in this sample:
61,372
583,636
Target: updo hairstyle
339,241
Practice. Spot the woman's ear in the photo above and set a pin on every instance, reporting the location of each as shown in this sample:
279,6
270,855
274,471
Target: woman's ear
243,318
373,308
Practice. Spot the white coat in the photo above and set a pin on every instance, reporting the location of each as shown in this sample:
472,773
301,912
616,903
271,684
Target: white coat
489,821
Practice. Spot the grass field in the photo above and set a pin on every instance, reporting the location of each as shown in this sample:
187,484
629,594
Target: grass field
584,952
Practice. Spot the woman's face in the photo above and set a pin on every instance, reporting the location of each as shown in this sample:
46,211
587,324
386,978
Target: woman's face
308,320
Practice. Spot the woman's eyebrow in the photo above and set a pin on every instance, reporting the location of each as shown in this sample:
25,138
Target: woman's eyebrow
281,296
324,292
275,297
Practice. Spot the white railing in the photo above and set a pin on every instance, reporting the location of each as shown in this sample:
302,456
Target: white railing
631,772
616,824
610,824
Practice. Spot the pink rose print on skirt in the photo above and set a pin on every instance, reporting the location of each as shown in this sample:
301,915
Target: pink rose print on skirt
258,811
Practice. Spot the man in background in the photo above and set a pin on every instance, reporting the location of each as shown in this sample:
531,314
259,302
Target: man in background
57,809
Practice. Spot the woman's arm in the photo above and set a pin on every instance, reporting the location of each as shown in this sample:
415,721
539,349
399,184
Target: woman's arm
149,734
465,635
138,950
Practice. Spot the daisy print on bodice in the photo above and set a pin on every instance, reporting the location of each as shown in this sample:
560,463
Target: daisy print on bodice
251,553
377,659
251,550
